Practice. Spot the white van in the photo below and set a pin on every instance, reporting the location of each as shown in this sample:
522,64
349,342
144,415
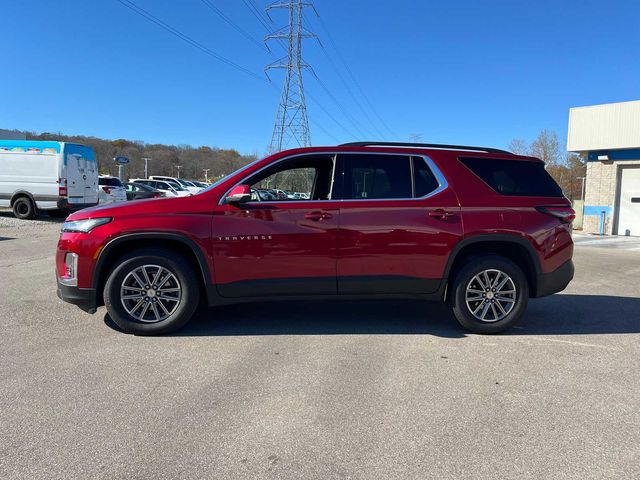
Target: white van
55,177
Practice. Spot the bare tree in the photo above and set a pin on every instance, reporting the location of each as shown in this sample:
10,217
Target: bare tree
546,147
518,146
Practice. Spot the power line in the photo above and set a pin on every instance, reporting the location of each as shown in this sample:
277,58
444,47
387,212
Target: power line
292,122
260,13
328,114
143,13
250,4
256,13
316,124
353,78
346,86
237,27
342,109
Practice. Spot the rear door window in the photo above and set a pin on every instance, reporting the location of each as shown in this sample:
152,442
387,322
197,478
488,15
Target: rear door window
370,177
514,177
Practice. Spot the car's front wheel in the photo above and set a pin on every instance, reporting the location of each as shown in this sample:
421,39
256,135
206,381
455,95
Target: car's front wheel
489,294
151,292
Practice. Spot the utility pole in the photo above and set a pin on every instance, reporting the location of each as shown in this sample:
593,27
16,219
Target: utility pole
178,167
206,174
146,170
416,137
292,123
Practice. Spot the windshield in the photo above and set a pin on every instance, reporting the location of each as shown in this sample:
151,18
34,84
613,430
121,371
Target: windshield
175,185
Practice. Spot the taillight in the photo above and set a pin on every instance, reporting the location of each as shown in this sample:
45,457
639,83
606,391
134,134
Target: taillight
564,214
62,187
106,189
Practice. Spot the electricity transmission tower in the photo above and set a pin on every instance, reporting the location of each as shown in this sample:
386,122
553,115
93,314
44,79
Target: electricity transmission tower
292,123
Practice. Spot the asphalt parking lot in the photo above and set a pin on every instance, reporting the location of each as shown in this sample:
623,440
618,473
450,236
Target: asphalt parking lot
369,390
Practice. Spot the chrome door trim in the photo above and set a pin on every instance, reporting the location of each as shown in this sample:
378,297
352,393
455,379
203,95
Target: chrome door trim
440,178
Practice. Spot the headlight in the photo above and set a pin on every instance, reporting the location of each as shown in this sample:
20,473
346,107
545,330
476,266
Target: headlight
84,226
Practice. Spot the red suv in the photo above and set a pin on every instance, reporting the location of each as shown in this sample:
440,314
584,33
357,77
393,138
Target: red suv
479,228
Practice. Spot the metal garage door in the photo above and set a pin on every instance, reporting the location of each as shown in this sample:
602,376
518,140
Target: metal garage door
629,218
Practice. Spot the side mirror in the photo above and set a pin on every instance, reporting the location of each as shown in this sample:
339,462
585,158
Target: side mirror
239,194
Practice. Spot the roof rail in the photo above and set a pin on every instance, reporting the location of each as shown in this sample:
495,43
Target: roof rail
424,145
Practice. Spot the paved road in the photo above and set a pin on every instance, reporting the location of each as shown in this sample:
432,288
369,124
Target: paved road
378,390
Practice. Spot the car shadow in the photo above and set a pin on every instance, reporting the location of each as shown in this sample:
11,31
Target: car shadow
554,315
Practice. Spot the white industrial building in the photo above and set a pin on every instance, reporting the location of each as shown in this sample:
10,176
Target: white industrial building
609,136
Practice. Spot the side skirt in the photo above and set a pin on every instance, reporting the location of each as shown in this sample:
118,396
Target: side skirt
215,299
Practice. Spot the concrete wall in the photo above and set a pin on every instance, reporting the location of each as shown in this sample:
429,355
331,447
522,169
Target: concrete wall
578,206
600,194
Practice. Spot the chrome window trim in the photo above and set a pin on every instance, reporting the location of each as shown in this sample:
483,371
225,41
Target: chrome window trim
440,178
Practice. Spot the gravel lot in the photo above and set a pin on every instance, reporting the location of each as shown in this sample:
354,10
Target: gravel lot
369,390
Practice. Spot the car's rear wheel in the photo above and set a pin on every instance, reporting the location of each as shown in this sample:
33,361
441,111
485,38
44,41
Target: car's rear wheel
489,294
151,292
24,209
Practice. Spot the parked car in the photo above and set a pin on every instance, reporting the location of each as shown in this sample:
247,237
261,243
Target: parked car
55,177
138,191
111,189
479,228
179,181
168,188
202,185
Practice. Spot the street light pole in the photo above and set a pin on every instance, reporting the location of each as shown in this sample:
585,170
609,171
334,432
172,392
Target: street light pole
206,174
146,170
178,167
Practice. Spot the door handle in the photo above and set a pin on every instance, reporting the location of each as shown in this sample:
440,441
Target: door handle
440,213
316,216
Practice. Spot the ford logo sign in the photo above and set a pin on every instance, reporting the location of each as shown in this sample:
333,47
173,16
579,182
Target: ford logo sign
121,160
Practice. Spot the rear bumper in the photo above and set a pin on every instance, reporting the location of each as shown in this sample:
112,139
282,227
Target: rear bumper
556,281
63,204
85,298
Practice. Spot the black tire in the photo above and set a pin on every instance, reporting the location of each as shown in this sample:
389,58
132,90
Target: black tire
24,209
186,281
463,279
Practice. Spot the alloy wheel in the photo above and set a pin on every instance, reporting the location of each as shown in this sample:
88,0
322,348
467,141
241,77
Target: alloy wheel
150,293
490,295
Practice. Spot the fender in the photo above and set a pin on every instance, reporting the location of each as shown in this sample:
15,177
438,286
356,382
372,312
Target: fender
20,193
495,237
193,246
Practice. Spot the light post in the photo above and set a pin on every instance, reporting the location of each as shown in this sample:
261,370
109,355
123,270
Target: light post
146,170
178,167
121,162
206,174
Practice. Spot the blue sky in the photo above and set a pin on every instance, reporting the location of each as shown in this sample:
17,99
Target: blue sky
468,72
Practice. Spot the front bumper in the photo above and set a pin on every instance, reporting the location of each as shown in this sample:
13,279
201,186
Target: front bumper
556,281
85,298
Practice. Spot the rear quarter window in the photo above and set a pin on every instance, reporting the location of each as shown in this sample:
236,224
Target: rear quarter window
514,177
